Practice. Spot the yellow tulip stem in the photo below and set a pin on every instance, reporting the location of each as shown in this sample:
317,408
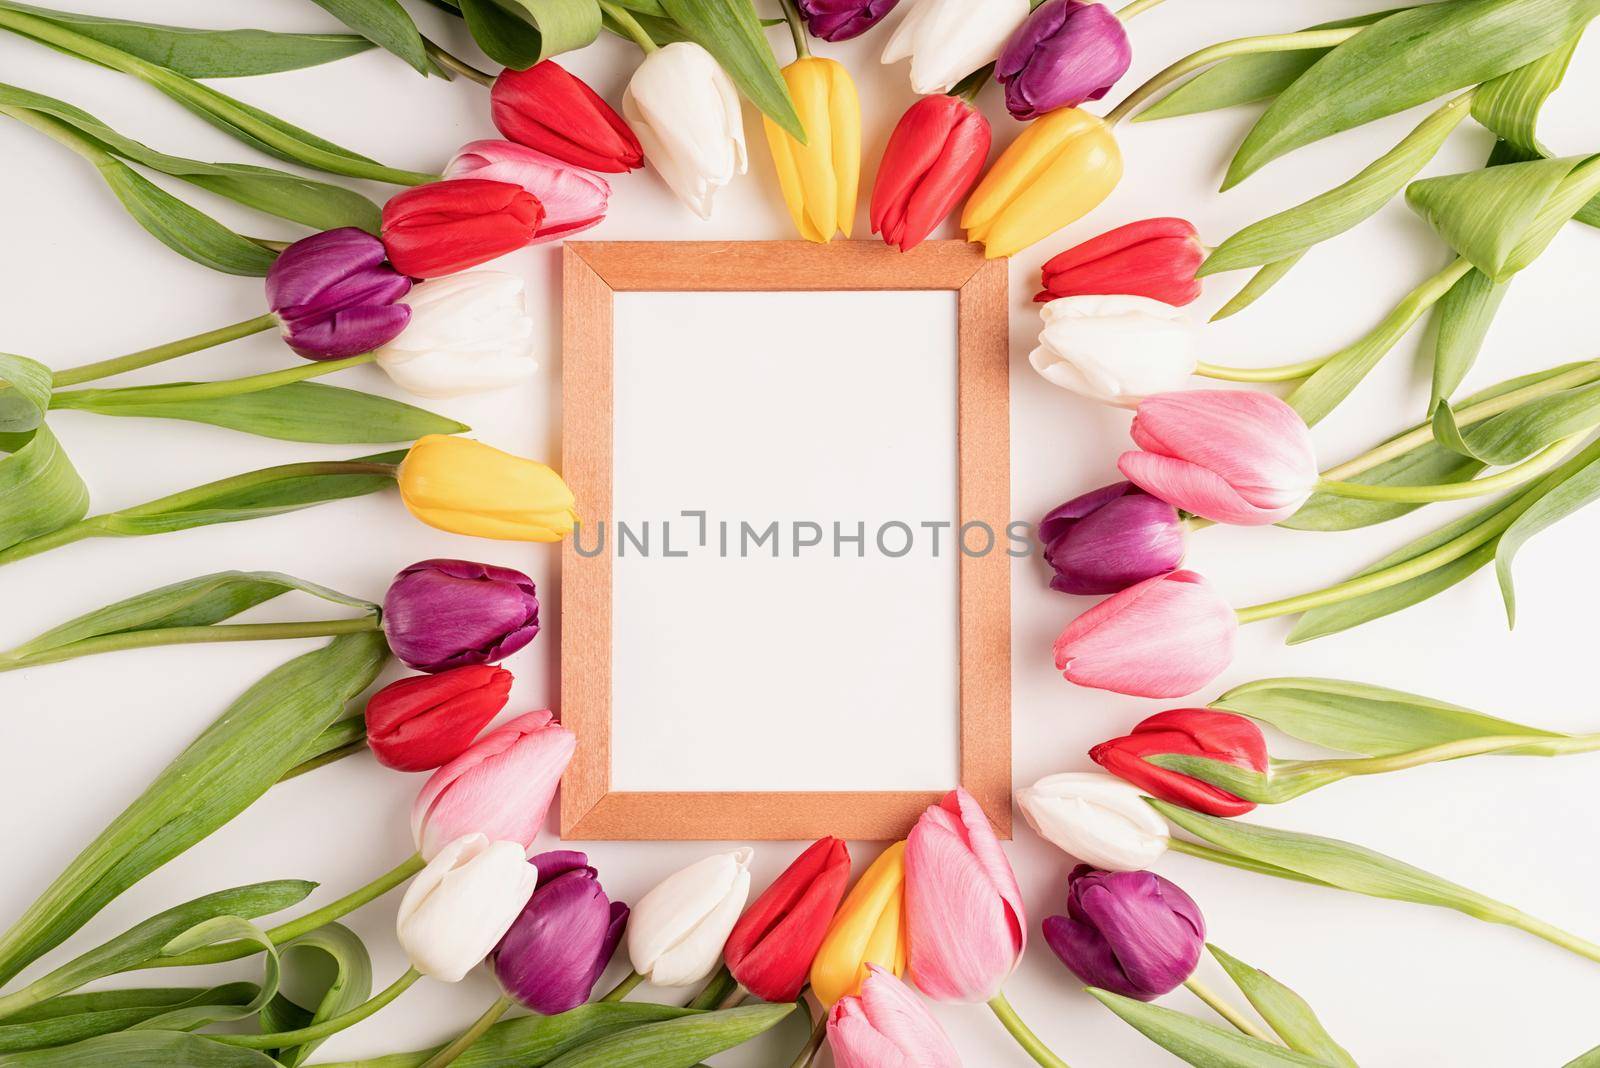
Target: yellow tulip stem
797,29
1242,46
630,26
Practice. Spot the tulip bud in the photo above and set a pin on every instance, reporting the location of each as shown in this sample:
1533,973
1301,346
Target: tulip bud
933,159
501,787
820,178
840,20
1061,168
459,906
946,40
563,939
1130,932
677,932
686,111
573,200
1233,456
1166,637
1065,53
440,614
548,109
469,333
467,487
334,295
1155,258
419,723
1117,350
1100,820
445,227
887,1018
964,915
774,943
1190,732
868,929
1110,538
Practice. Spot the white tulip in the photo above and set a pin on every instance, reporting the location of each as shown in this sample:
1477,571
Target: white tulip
947,40
685,111
1116,349
1102,821
459,907
469,333
677,931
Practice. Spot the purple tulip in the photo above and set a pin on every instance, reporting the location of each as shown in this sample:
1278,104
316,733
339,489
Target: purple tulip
1110,539
550,958
840,20
1065,53
335,296
1130,932
441,614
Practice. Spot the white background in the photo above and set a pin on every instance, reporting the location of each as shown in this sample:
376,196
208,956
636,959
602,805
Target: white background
1398,984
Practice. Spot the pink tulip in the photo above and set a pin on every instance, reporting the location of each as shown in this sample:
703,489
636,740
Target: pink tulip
887,1026
573,199
1166,637
501,787
1235,456
964,917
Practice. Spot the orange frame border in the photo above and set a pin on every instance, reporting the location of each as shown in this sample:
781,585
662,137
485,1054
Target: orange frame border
593,273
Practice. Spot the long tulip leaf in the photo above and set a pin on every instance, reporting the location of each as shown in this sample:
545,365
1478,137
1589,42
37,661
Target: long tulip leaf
40,490
1264,279
680,1043
1484,214
1510,104
211,932
75,1017
1523,431
1197,1042
1461,323
24,393
141,1049
1285,1011
730,31
1573,493
520,33
346,971
385,23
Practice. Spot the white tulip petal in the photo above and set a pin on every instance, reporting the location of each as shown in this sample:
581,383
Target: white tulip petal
679,928
1096,818
459,907
1119,348
686,113
469,333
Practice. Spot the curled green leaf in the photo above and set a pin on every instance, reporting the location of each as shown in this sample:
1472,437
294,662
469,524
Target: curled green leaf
40,490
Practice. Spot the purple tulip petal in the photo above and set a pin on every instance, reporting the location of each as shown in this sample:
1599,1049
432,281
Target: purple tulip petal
553,954
1066,52
440,614
335,296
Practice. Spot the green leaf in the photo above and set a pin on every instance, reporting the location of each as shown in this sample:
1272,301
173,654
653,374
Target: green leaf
1524,430
1484,214
1573,493
75,1017
384,23
1461,321
1408,59
24,393
520,33
184,229
216,931
730,31
1431,464
141,1049
346,968
1264,279
40,491
1201,1044
1585,1060
1286,1011
1510,104
532,1041
680,1043
232,763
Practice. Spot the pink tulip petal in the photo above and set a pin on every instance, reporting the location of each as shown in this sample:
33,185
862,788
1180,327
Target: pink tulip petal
1166,637
857,1044
899,1015
1195,489
962,933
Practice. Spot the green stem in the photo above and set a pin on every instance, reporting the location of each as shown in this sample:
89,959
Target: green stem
1126,13
624,988
1526,471
1220,1005
230,632
1020,1031
1234,860
470,1035
1278,42
202,391
457,64
88,372
332,756
969,87
1286,372
797,29
808,1052
1552,934
630,26
738,997
332,1026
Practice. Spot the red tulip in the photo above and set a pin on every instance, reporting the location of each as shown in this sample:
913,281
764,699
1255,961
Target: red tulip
427,721
934,158
1189,732
1155,258
445,227
771,948
546,108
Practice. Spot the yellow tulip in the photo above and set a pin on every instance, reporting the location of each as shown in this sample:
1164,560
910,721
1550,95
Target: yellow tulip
869,928
820,178
467,487
1064,164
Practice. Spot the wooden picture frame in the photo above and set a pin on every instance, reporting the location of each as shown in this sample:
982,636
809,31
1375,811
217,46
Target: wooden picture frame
593,273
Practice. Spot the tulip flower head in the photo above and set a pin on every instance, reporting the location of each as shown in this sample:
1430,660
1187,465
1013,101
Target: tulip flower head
887,1026
686,112
445,227
1155,258
964,914
1130,932
1110,538
1166,637
420,723
1117,350
1190,732
469,333
677,932
946,40
868,930
772,947
441,614
460,905
562,940
335,296
573,199
933,160
467,487
840,20
501,787
1098,819
1061,167
554,112
1067,52
820,178
1233,456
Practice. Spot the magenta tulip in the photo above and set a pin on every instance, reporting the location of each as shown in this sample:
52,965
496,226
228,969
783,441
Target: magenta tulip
887,1026
573,199
1166,637
1130,932
1110,538
555,951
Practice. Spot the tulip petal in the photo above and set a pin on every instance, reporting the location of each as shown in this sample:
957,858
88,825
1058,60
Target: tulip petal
867,929
1166,637
679,928
460,905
